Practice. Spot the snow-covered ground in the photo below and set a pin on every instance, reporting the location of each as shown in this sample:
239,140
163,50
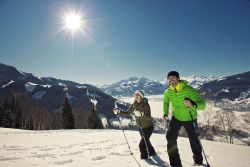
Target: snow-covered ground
105,148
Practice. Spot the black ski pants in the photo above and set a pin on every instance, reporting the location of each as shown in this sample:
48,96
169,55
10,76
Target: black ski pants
172,135
146,133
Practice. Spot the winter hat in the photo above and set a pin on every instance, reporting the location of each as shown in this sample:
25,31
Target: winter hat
174,73
140,92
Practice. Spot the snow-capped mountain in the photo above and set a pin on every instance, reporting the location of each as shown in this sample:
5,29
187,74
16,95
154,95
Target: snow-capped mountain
127,87
50,92
231,91
235,87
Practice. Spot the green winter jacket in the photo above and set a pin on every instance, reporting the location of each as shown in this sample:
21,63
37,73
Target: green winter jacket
176,97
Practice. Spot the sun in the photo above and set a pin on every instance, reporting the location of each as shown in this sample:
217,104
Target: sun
73,21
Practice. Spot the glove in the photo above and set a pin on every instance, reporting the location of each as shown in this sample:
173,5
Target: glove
116,111
138,113
192,102
166,120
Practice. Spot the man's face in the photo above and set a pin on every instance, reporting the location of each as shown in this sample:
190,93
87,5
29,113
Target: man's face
173,80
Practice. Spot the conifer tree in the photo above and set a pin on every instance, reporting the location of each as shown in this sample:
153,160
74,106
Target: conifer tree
7,116
67,117
94,121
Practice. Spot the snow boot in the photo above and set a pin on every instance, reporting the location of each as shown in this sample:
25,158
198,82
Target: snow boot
152,154
198,160
144,156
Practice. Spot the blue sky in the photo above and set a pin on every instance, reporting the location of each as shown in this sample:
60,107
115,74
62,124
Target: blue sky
127,38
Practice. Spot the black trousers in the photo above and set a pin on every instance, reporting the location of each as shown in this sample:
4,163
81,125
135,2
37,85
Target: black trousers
146,132
172,135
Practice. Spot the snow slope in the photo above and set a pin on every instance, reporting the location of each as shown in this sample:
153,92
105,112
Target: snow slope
105,148
8,84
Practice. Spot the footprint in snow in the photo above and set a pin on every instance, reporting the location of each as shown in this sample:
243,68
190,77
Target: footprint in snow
107,148
37,147
68,146
46,149
10,146
15,149
98,158
9,158
104,141
63,162
42,155
119,154
91,149
72,153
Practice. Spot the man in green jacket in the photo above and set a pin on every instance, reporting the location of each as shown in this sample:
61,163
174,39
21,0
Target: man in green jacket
184,99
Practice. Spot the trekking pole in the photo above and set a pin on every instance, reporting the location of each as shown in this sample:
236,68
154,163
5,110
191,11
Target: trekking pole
197,133
124,135
131,153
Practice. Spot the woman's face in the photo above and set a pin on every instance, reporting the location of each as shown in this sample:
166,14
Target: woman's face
137,98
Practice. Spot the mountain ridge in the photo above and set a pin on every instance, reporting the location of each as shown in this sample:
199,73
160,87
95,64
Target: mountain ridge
50,92
126,87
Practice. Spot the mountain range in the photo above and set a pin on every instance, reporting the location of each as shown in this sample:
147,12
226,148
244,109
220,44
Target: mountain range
233,90
50,92
230,92
127,87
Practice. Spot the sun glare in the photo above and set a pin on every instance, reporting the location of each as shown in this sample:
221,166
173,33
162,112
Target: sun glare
73,21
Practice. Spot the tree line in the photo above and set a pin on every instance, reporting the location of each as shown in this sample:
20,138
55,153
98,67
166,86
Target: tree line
18,111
